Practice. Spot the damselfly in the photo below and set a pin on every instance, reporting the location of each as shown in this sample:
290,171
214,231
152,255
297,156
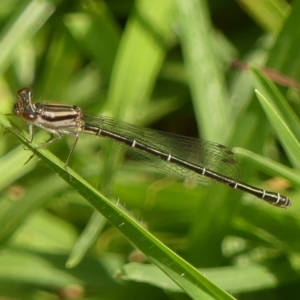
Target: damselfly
187,157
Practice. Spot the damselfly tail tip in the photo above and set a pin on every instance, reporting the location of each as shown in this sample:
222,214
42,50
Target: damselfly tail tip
283,201
276,199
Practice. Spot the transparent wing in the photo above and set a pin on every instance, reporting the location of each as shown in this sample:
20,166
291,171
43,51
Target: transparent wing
209,155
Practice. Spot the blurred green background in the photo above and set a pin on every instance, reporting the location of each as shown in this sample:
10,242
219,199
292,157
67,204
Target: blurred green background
165,65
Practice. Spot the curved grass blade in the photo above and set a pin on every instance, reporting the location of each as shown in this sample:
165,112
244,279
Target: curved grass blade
280,115
183,274
269,166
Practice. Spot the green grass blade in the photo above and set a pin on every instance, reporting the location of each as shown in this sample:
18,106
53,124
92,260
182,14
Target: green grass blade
280,115
24,25
269,14
285,51
140,56
234,278
92,30
203,66
12,166
86,239
269,166
276,228
187,277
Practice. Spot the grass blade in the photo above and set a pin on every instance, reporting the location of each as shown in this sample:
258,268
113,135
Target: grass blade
187,277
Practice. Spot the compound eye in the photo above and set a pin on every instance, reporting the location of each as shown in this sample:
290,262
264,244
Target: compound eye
29,117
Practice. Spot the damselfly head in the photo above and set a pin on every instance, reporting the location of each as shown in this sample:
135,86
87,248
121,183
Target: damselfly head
24,107
24,102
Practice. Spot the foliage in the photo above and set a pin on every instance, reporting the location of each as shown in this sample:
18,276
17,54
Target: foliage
164,64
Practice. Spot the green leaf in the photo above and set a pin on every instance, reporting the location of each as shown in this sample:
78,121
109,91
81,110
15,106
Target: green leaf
280,115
